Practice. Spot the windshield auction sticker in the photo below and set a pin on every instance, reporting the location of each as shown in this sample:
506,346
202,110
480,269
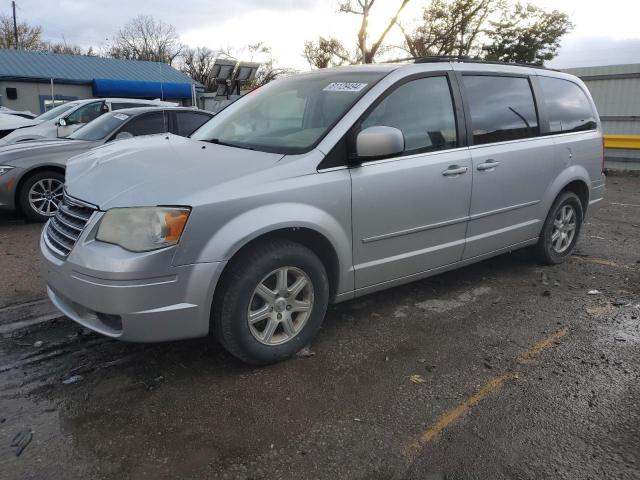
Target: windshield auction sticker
120,116
344,87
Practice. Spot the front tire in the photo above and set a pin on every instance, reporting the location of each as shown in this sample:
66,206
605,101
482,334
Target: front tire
272,301
560,230
40,195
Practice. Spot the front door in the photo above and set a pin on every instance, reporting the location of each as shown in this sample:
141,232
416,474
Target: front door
410,211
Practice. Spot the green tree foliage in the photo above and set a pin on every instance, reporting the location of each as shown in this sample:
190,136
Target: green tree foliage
326,52
490,29
526,34
450,27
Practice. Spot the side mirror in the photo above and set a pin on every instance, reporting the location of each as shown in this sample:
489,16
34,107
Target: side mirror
62,122
124,135
379,142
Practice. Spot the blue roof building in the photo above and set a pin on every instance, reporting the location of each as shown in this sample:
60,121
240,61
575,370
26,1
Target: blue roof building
26,79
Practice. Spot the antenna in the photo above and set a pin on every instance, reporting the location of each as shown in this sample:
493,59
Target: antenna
164,114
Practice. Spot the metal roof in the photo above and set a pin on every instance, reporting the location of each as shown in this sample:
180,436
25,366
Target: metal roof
82,69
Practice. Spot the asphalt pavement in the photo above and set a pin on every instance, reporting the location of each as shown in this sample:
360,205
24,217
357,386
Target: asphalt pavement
502,370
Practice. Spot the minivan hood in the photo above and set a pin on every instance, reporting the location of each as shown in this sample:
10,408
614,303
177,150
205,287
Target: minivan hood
162,169
51,151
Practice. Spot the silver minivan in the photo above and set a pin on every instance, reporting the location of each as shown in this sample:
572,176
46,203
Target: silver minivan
320,188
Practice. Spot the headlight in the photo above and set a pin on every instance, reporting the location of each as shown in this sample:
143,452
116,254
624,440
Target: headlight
143,229
5,168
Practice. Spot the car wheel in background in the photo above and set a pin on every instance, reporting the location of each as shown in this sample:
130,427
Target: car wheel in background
40,194
271,303
561,229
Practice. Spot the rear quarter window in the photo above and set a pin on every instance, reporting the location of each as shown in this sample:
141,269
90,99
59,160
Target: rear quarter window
567,106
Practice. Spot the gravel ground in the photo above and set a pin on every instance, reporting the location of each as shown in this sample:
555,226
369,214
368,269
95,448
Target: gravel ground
501,370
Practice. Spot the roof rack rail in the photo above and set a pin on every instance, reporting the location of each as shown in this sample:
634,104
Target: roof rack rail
462,58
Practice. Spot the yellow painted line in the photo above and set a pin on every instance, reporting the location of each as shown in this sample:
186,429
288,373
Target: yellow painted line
451,416
599,261
542,345
627,142
492,386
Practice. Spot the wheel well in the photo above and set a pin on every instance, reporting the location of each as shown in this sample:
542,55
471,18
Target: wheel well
27,175
311,239
581,190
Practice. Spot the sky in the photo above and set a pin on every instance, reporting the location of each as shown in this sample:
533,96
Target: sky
605,33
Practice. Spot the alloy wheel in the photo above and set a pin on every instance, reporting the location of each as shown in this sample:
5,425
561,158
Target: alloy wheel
280,306
45,195
564,229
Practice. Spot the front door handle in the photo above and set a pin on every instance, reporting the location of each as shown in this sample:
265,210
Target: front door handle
454,170
488,165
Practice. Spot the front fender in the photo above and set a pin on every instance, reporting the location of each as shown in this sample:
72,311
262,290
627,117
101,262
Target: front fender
248,226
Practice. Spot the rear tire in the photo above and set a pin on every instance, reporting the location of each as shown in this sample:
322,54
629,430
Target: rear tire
561,230
271,303
40,194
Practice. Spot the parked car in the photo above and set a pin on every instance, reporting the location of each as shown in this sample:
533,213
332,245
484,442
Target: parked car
66,118
17,113
319,188
32,173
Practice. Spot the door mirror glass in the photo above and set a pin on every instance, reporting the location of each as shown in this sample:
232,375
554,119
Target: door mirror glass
124,135
62,122
379,141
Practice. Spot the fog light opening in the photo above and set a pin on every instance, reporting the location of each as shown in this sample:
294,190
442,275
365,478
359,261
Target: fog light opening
114,322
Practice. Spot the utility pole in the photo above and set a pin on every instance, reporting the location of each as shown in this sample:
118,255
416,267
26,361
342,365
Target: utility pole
15,26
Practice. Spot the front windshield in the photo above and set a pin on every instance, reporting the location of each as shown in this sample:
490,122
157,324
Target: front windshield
101,127
290,115
56,111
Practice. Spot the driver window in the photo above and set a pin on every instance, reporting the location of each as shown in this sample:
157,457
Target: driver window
423,110
86,113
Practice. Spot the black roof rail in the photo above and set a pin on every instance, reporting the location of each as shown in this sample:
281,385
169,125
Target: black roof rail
462,58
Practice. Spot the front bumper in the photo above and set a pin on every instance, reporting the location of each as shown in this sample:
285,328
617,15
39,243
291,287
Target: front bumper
152,303
8,183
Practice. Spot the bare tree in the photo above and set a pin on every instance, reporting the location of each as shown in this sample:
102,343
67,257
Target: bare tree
145,38
268,71
198,64
367,52
325,52
29,37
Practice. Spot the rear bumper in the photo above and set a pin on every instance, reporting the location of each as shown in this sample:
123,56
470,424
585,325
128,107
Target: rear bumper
596,196
171,306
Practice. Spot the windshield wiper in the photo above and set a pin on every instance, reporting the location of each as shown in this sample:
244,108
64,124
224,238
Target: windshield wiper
227,144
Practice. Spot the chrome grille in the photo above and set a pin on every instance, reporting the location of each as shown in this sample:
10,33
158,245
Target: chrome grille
63,230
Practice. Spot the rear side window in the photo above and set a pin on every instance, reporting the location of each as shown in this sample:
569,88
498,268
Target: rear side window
568,107
146,124
423,110
189,122
502,108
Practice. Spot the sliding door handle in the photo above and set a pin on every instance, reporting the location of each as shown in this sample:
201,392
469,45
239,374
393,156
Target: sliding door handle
454,171
488,165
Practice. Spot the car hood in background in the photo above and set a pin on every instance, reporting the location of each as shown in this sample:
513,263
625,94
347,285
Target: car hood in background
11,122
159,169
47,151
